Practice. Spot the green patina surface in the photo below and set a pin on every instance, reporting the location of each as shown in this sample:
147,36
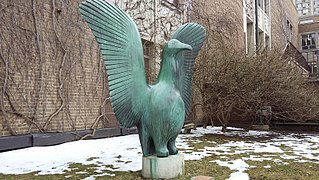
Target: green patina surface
157,110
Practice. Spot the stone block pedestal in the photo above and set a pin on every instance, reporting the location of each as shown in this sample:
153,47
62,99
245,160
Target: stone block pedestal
167,167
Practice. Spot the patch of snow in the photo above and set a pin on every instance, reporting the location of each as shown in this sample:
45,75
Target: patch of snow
277,161
197,155
239,165
223,157
267,167
93,177
303,161
285,156
268,148
257,158
56,159
238,175
302,145
231,132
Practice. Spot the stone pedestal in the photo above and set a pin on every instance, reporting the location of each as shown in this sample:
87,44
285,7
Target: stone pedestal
168,167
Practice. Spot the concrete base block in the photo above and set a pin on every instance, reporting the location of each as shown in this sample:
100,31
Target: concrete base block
168,167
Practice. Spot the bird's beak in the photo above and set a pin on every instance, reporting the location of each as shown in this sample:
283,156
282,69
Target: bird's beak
186,47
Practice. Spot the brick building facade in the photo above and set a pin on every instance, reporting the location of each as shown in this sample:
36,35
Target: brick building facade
309,32
284,17
52,75
275,21
277,24
257,26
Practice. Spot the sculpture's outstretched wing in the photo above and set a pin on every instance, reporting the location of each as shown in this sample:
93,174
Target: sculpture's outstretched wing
122,52
192,34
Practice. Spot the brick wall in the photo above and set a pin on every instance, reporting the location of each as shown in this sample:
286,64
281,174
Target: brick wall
281,11
226,15
52,76
306,28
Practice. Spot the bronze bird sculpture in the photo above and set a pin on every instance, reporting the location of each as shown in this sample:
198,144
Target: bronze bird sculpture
158,110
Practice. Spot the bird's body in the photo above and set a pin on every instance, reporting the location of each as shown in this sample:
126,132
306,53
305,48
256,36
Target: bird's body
157,110
164,120
164,113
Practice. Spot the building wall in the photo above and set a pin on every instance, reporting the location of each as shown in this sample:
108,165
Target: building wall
284,17
52,75
308,27
260,41
156,21
277,21
224,16
308,43
307,8
309,33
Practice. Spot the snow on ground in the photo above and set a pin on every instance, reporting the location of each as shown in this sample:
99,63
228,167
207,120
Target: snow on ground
305,148
124,153
238,165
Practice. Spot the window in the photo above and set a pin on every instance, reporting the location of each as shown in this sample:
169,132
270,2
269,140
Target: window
267,42
308,41
306,21
312,59
250,46
316,9
261,4
267,7
148,48
305,4
289,32
305,11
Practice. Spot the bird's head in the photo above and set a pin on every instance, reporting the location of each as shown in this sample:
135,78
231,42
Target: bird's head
174,46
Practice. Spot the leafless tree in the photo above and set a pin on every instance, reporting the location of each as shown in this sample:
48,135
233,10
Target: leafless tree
233,86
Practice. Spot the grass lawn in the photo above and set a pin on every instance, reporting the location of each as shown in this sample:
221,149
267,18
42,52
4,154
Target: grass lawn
270,156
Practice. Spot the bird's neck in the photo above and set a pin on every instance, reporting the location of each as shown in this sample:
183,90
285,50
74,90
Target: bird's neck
167,69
